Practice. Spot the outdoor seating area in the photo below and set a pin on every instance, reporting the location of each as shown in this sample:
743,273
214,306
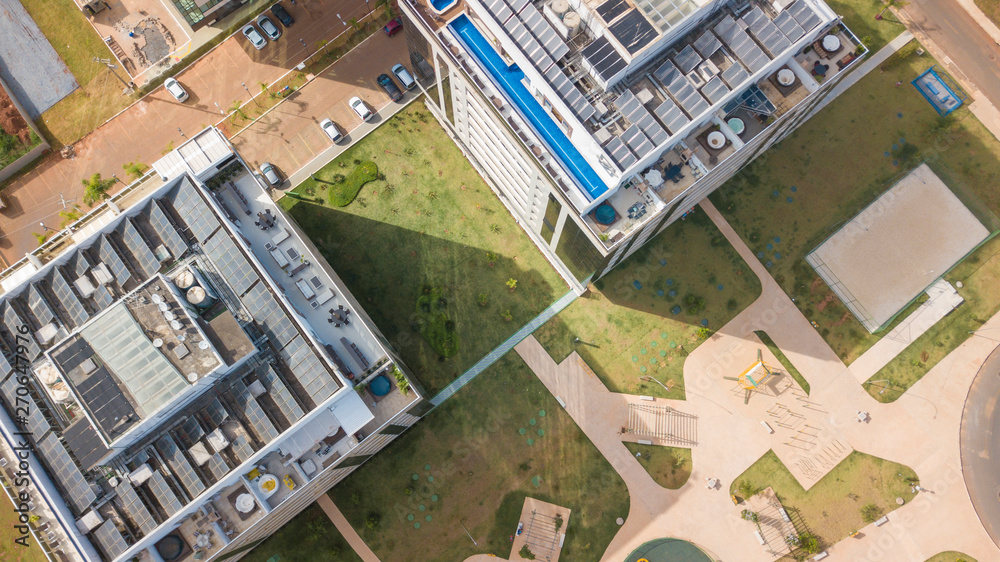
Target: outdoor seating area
339,317
828,55
266,220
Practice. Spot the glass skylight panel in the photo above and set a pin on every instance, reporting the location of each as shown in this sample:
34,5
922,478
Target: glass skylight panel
66,473
179,465
165,229
109,256
40,309
13,320
110,539
242,448
230,262
164,495
217,466
135,508
189,431
314,378
64,293
36,422
216,412
258,421
194,211
283,399
139,249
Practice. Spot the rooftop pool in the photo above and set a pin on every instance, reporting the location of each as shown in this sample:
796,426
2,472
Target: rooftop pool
510,80
442,5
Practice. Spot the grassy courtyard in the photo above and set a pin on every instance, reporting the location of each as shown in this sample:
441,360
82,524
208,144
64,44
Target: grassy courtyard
991,8
859,16
429,226
801,191
9,550
951,556
468,464
315,538
669,467
688,275
831,509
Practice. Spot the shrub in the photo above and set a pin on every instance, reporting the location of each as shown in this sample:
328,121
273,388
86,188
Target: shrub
704,333
870,512
746,489
526,553
342,194
512,283
483,299
401,382
372,520
506,315
694,303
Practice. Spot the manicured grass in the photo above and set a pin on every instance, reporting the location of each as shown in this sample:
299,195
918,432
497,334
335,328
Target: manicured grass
785,363
9,550
310,535
859,16
951,556
670,467
429,224
71,35
473,467
858,128
627,333
341,190
991,8
831,509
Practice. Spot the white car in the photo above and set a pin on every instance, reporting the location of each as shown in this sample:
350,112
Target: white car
361,108
404,77
270,174
331,129
175,89
254,36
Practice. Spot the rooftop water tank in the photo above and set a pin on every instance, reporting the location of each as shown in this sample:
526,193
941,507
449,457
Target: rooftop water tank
572,22
198,297
560,7
184,279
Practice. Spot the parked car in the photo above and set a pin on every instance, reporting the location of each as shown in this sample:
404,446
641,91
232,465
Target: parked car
389,86
393,27
404,77
270,174
332,130
254,36
279,12
361,108
268,27
175,89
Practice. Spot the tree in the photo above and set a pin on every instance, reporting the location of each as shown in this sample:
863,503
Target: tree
135,170
512,284
372,520
809,543
491,258
870,512
746,489
891,4
526,553
355,24
69,215
236,108
96,188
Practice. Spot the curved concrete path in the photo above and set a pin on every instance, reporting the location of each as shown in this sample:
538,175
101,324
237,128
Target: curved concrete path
919,430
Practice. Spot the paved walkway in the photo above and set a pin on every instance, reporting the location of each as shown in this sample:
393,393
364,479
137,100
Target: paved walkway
352,537
502,349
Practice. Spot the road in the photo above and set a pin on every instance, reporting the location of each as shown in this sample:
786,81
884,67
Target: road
142,132
980,445
972,51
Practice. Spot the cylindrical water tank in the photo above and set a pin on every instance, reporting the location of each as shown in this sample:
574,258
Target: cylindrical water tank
184,279
572,22
560,7
198,297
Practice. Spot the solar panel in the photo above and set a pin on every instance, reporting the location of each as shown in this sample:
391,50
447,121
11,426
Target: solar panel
715,90
735,75
194,211
36,423
620,153
707,44
604,58
517,5
108,255
65,472
102,298
569,93
633,31
317,381
687,60
501,12
259,422
68,299
791,28
40,309
165,230
134,507
637,141
281,396
612,9
179,465
666,72
230,262
271,317
216,412
157,485
803,14
139,249
242,448
110,539
217,466
13,320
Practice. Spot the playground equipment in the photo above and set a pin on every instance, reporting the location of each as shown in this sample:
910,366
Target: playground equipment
753,377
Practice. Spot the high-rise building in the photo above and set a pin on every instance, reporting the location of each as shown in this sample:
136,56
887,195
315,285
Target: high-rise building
601,122
181,373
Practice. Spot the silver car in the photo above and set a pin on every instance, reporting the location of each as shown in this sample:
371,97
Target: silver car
268,27
254,36
361,108
404,77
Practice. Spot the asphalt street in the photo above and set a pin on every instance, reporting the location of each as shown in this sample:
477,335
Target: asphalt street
980,444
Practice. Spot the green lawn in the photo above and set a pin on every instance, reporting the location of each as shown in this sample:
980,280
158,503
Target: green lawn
315,539
430,225
991,8
951,556
859,16
9,550
785,363
670,467
831,509
627,333
859,127
467,464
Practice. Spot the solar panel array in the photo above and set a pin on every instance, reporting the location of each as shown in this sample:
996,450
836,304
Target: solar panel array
108,255
65,471
217,466
270,316
803,15
139,249
707,44
612,9
241,448
715,90
637,141
310,373
166,497
160,222
671,116
282,397
110,539
620,153
216,412
633,31
36,422
197,215
544,32
189,431
735,75
637,114
569,93
665,14
680,89
603,58
230,261
766,33
13,320
179,465
741,45
38,306
134,507
68,299
687,60
253,413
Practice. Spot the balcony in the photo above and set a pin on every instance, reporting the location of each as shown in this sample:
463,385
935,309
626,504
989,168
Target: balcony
831,54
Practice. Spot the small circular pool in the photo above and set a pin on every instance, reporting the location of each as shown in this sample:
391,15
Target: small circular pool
380,386
441,6
668,550
605,214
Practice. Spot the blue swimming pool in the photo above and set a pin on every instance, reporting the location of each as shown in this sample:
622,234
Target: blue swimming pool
509,78
442,5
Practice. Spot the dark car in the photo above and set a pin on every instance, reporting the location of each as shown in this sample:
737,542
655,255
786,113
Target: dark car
389,86
393,27
282,14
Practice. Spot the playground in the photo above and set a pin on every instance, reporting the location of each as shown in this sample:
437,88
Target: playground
896,247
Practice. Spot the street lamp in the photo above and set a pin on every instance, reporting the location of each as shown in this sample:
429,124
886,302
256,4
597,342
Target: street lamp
44,228
181,132
244,84
115,177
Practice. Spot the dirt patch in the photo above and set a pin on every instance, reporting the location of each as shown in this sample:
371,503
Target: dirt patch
842,319
815,284
825,302
11,120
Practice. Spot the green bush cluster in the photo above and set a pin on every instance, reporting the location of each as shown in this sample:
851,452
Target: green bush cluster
434,324
343,192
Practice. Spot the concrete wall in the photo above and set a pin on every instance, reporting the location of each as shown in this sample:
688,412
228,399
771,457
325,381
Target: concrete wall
34,153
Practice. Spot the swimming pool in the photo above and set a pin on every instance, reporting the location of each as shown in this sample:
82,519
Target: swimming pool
442,5
509,78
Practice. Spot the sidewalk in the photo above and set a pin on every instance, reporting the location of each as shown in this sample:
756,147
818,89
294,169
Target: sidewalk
350,535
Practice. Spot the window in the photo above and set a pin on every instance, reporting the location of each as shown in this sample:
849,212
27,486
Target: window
550,219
